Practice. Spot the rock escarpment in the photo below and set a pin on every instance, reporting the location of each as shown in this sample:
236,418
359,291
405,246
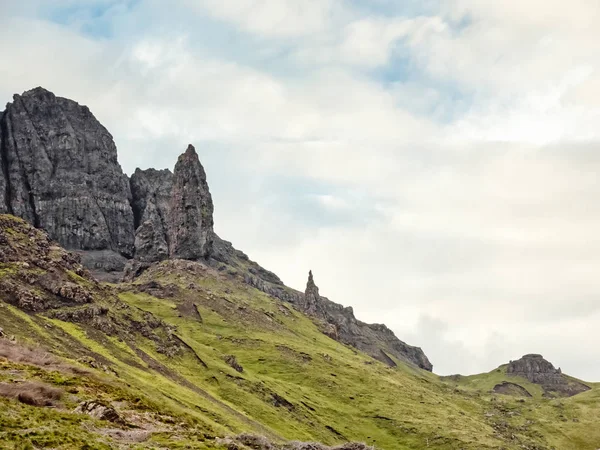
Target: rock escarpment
539,371
59,171
173,213
376,340
151,197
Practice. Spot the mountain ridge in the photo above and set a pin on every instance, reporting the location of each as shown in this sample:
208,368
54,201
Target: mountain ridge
60,172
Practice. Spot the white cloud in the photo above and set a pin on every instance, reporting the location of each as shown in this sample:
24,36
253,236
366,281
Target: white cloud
463,188
274,18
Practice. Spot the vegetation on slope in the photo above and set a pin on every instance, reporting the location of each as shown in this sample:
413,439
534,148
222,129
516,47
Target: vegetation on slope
187,354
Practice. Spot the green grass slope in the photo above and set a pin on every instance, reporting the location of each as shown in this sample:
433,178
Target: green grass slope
187,354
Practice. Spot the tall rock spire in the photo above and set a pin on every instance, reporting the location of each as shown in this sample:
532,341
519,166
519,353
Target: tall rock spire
190,226
311,297
173,211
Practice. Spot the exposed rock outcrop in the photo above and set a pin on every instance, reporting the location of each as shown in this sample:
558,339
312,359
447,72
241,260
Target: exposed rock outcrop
38,276
508,388
376,340
60,173
191,211
311,303
539,371
173,211
99,411
151,203
233,362
35,274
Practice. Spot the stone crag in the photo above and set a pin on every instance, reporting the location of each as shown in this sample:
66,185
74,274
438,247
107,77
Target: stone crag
151,197
173,212
539,371
59,171
376,340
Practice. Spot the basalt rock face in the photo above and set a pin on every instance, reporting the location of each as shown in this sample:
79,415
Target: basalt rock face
151,193
173,212
60,173
536,369
539,371
4,193
190,224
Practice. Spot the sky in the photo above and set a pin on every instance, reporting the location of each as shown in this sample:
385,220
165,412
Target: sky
434,162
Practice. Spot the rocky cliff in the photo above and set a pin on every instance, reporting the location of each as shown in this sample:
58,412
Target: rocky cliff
151,197
173,211
191,210
59,171
540,371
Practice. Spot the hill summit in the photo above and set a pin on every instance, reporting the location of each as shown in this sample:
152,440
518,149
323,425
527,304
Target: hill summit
60,172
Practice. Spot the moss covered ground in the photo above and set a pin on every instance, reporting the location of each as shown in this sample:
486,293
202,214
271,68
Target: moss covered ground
291,382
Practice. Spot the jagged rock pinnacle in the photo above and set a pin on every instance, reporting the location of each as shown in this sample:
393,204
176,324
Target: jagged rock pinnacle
190,226
190,151
311,296
173,211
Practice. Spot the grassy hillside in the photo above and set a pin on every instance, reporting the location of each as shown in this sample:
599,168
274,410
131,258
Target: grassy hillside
187,354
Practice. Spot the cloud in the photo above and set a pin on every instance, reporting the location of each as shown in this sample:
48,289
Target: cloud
273,18
435,163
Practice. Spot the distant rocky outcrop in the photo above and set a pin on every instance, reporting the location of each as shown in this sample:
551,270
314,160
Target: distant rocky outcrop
537,370
59,171
340,323
311,302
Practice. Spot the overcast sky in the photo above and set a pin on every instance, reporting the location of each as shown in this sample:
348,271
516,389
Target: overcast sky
434,162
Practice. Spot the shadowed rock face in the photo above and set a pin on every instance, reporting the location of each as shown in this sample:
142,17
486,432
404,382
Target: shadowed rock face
191,210
151,193
507,388
173,211
60,172
4,193
539,371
